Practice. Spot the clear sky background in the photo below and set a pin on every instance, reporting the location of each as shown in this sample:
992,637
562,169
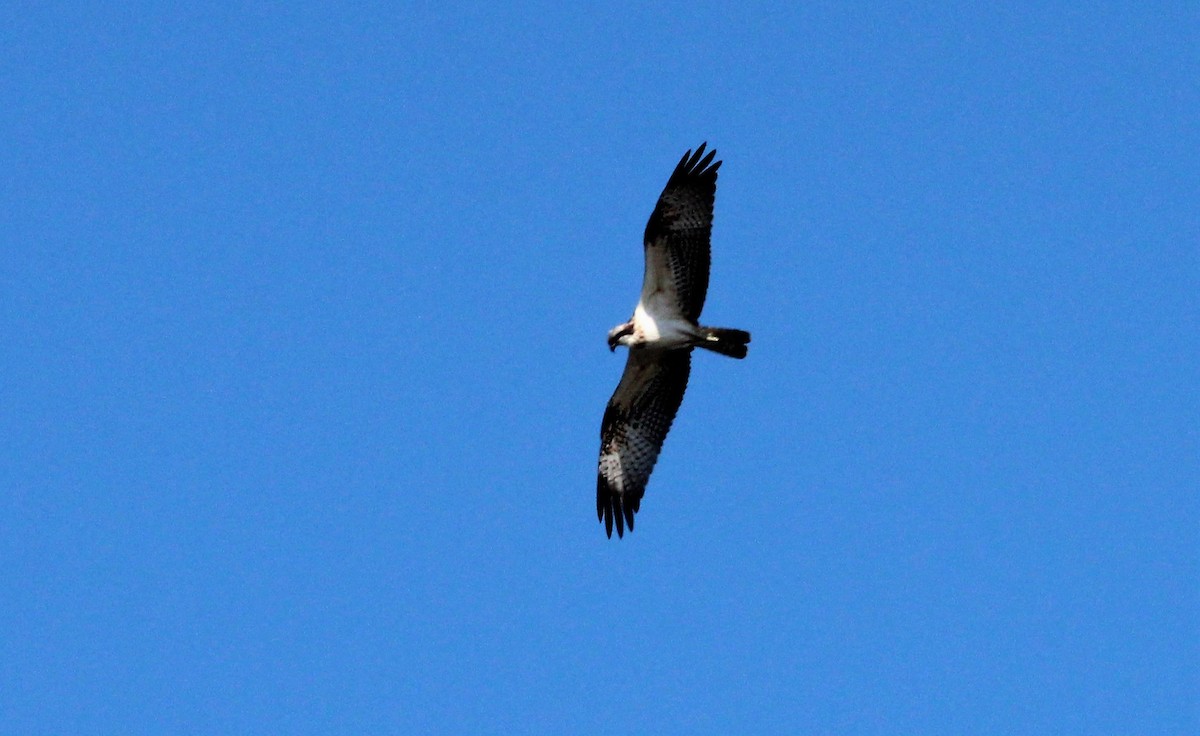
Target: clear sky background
303,312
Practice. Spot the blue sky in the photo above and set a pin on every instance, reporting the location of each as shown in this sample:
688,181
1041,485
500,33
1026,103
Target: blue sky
303,311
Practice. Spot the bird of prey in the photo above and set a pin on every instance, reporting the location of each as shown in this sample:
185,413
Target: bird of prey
660,337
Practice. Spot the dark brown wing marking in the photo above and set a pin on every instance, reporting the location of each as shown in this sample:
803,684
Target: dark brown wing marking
636,422
681,224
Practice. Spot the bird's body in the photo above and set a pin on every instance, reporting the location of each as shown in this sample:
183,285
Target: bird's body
655,325
660,337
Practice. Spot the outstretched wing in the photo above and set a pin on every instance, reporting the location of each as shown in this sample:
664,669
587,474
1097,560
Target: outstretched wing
636,422
678,233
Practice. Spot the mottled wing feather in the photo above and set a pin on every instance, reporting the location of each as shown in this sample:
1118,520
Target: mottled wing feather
679,232
636,422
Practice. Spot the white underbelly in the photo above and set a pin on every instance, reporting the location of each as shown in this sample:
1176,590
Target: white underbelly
663,329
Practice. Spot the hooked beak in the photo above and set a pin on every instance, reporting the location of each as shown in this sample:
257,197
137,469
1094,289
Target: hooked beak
616,333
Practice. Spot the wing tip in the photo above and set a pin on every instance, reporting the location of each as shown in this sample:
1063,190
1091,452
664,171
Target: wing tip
612,510
697,163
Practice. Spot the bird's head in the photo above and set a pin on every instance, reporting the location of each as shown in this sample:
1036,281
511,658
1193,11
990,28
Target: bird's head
619,335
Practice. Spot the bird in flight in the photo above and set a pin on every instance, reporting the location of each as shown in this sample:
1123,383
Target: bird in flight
660,338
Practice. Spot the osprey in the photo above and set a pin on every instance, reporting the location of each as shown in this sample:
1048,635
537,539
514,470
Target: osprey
660,338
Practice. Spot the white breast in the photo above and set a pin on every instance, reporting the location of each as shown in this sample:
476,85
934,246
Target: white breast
645,324
657,322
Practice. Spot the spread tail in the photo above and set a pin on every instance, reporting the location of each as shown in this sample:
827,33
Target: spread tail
725,341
